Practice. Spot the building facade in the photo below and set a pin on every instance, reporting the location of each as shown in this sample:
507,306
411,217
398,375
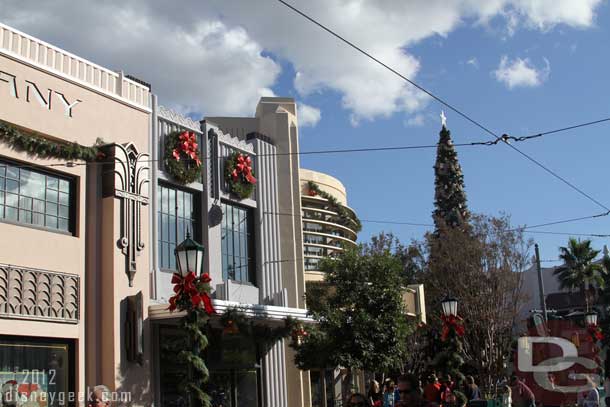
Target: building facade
69,256
325,232
88,231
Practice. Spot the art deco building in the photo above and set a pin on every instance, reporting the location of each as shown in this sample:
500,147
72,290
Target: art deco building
326,230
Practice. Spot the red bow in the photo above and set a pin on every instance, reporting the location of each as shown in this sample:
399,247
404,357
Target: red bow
594,334
188,286
449,323
187,145
243,166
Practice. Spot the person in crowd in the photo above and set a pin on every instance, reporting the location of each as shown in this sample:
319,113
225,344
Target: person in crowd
471,390
521,394
358,400
589,398
607,389
388,394
409,393
506,397
100,396
447,386
374,394
432,391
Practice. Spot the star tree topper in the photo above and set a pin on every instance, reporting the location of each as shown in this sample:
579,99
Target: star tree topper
443,119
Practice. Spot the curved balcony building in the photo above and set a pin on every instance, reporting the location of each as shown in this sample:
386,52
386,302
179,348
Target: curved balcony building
326,231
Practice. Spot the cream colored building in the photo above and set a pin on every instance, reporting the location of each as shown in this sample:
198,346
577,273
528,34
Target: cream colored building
69,259
324,232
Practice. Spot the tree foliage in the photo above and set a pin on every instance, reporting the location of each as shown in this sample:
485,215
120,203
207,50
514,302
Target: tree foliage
361,320
578,270
450,208
480,266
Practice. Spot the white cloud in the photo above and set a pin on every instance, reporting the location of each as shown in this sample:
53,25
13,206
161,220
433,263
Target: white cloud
308,116
417,120
218,57
473,62
521,73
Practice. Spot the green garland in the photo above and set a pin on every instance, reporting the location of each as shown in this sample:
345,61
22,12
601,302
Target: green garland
262,335
241,187
45,148
347,218
198,373
185,170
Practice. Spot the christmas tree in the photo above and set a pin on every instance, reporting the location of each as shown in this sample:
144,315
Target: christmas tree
449,196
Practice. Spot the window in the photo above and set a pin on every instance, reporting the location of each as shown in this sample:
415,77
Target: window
177,214
43,370
36,198
237,244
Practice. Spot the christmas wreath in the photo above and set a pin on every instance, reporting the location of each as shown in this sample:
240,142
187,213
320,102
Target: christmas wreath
182,158
239,175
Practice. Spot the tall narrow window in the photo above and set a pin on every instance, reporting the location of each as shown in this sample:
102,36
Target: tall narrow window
237,244
36,197
177,214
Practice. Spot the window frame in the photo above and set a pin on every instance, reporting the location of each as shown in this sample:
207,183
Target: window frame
73,188
250,246
195,213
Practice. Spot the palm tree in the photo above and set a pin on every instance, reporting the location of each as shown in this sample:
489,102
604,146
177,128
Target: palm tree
578,270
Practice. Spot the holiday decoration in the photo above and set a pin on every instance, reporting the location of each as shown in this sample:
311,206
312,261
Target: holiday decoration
239,175
46,148
449,360
594,334
298,334
182,157
192,296
449,196
346,217
452,322
235,321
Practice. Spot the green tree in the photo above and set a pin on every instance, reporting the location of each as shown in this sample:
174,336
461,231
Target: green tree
450,206
361,320
578,270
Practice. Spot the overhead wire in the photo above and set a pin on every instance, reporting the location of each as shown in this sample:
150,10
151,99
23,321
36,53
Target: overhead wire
444,103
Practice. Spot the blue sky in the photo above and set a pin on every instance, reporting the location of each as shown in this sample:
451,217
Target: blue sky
400,185
217,58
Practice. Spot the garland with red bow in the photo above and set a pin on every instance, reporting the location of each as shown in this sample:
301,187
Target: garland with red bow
594,334
239,175
182,157
192,295
452,323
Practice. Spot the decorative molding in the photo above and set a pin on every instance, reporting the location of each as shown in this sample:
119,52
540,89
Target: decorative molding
27,293
177,118
58,62
127,179
234,142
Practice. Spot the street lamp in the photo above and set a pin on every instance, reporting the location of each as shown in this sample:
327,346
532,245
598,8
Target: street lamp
449,305
591,318
189,256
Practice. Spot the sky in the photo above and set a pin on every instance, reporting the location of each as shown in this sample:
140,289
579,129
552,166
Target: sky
519,67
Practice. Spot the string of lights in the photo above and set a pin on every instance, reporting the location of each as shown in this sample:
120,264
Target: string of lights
448,105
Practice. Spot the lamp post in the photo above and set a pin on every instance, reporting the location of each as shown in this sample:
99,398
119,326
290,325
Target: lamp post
591,318
189,256
449,305
192,295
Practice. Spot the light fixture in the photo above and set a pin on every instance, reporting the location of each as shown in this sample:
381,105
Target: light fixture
189,256
449,305
591,318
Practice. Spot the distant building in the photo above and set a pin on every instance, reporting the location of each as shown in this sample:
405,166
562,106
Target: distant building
324,232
